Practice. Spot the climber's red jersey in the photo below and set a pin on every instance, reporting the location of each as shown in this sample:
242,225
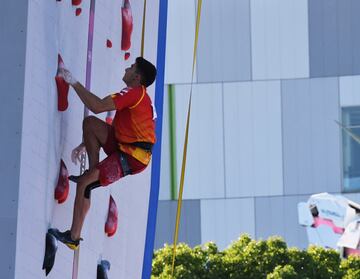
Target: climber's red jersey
134,121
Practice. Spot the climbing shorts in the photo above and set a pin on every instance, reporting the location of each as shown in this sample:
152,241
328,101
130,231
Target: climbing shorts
117,164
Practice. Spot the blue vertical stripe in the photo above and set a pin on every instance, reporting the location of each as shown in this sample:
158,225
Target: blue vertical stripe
156,157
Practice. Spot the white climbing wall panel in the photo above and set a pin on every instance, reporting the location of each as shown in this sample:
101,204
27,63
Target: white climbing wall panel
49,135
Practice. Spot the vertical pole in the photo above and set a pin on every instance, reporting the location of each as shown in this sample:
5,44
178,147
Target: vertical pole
172,142
75,270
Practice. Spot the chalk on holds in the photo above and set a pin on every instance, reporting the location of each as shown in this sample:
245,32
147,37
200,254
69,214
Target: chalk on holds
62,87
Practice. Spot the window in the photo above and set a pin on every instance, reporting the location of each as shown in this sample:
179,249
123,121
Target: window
351,150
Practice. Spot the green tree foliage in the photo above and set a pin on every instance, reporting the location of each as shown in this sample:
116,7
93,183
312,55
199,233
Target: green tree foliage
283,272
351,267
189,262
247,259
326,263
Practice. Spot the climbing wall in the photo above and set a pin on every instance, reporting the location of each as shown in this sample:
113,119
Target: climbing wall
58,27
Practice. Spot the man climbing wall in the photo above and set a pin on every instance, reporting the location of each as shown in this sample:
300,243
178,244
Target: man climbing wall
127,142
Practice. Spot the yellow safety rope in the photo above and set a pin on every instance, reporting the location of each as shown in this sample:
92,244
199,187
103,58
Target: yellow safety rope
143,31
183,165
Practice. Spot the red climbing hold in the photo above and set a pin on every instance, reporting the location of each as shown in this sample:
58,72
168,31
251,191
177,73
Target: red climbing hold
108,43
78,11
76,2
127,25
127,55
112,219
62,87
62,187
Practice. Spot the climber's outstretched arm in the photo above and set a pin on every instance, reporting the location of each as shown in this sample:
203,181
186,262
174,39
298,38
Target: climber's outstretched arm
90,100
93,102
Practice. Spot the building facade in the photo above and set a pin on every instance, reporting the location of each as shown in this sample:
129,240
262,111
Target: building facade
271,78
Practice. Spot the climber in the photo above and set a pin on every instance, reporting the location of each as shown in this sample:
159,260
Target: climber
127,142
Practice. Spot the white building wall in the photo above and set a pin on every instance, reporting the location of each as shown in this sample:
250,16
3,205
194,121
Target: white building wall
252,123
349,91
224,49
205,157
180,41
279,39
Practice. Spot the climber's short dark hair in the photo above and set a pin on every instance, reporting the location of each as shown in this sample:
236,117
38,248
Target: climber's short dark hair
146,70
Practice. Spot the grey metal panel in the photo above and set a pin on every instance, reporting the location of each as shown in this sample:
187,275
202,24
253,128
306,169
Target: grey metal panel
323,38
13,28
310,137
294,141
189,231
278,216
224,41
252,119
330,38
323,42
326,135
334,39
8,241
355,36
315,38
345,37
224,220
12,57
